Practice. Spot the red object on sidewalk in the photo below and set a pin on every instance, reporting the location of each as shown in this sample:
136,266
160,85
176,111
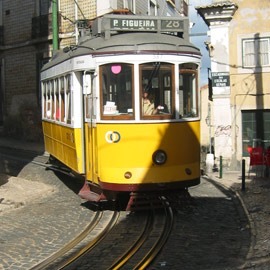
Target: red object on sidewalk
257,158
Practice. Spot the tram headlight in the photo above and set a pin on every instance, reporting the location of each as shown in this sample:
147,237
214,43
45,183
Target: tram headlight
159,157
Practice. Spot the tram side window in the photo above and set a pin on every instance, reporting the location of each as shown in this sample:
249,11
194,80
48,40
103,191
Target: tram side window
49,106
57,99
62,99
68,98
47,100
188,94
117,91
157,89
53,100
44,99
57,114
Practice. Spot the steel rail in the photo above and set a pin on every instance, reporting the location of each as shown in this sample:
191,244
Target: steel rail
92,243
153,252
143,238
136,246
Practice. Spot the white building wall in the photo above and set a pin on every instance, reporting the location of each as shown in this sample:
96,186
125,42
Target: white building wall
219,53
106,6
163,8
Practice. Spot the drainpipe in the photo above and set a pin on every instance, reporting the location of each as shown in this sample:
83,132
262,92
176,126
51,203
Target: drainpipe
55,24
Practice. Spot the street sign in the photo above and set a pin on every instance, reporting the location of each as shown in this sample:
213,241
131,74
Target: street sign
220,79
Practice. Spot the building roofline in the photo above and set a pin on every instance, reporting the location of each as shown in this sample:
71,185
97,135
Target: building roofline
218,4
223,11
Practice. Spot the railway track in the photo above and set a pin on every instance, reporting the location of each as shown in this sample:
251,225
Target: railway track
152,239
140,251
136,252
205,210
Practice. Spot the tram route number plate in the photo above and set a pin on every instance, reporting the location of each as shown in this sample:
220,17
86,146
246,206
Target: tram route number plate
146,24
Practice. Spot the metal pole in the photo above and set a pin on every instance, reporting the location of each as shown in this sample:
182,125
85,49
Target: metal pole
209,118
220,167
55,24
243,175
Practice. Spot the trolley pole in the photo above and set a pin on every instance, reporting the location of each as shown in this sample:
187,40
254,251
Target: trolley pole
55,24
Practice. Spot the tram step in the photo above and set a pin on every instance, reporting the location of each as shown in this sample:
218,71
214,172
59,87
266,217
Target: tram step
87,194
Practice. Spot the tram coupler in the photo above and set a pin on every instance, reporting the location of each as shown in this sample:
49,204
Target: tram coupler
87,194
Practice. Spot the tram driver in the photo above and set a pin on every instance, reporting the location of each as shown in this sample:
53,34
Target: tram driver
148,104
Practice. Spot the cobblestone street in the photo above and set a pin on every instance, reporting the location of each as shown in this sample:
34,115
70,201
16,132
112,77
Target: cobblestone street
255,200
41,225
222,230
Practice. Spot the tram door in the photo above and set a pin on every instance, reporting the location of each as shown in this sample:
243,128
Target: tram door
90,131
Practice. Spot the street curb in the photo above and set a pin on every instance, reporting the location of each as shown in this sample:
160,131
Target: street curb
249,218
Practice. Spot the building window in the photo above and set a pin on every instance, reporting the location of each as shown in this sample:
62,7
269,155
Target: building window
43,7
256,52
184,7
152,8
171,2
128,4
255,129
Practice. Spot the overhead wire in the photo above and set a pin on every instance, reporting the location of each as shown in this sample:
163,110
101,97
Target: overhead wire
78,6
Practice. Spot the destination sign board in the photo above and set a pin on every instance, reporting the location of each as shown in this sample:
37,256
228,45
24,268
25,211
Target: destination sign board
111,24
131,24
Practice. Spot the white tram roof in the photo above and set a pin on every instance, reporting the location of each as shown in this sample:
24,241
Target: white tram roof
131,42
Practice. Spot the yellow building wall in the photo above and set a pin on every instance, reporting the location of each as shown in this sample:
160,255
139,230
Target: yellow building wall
252,19
250,87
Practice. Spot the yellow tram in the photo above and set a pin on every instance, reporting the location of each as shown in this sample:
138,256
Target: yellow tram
121,108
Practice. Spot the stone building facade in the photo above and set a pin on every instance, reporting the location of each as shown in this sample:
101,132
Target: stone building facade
239,50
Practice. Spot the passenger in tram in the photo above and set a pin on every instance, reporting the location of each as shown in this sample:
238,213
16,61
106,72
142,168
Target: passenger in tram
148,104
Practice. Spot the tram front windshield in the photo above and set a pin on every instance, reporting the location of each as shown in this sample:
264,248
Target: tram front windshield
157,91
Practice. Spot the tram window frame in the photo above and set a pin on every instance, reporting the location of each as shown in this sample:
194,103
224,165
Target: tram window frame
50,103
188,93
164,85
62,98
48,96
48,111
44,99
57,99
107,75
59,103
68,98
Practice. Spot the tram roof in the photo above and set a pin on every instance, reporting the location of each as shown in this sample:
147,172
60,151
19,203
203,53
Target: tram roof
127,43
140,42
116,35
